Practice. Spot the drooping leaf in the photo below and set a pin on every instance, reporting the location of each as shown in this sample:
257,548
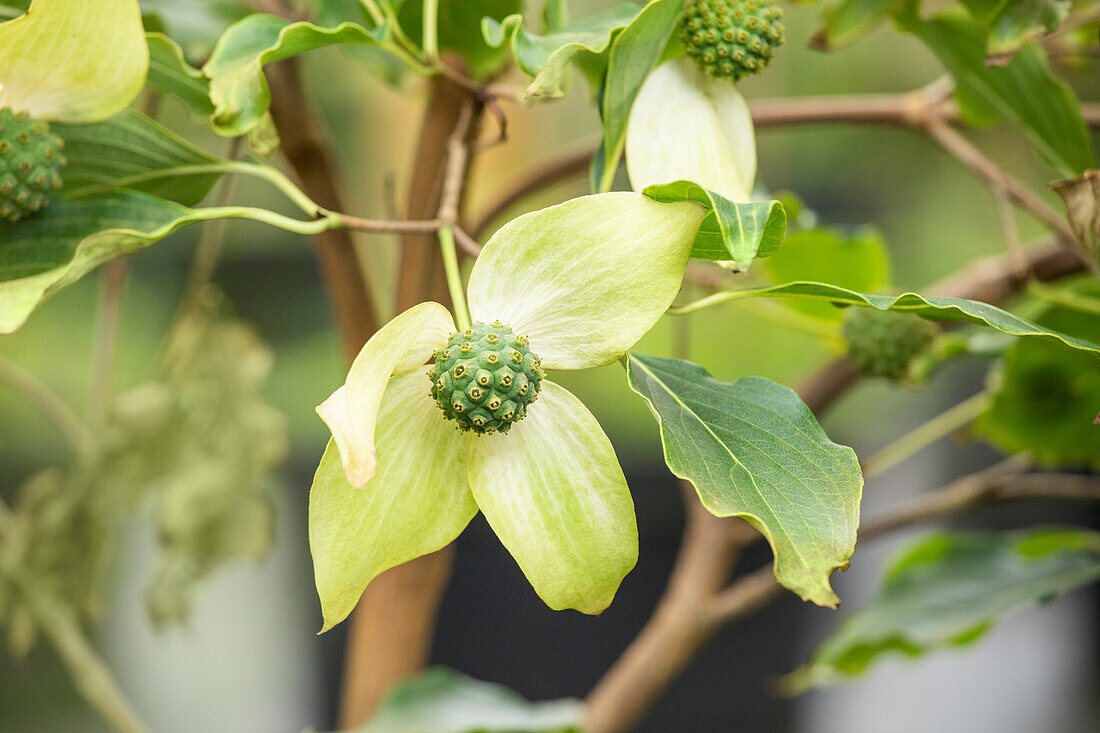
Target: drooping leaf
238,87
1011,24
754,450
932,308
547,57
171,75
947,590
195,25
68,239
634,53
846,21
855,260
1045,399
738,233
132,151
1025,92
459,24
688,126
67,62
442,700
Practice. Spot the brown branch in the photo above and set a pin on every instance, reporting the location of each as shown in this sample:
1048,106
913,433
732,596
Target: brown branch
669,640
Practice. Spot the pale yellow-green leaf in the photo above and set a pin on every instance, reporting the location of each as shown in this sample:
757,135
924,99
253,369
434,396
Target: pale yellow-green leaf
686,125
69,61
404,343
584,280
554,493
417,502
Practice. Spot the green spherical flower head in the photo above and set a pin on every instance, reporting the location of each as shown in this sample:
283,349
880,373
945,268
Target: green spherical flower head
730,39
884,343
30,165
485,378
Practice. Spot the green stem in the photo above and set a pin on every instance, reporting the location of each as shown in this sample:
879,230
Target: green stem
1066,298
725,296
272,175
90,675
454,278
431,30
308,228
52,407
373,11
925,435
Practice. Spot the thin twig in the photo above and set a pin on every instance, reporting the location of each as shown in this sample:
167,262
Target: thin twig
52,407
379,226
112,284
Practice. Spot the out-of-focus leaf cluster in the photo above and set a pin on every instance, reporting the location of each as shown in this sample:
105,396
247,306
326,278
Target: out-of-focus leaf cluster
197,441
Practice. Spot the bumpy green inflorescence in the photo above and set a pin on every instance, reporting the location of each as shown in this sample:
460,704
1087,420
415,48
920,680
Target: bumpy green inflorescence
30,165
485,378
730,39
885,343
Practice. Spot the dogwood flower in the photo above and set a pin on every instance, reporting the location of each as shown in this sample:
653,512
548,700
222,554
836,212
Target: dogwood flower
73,62
572,286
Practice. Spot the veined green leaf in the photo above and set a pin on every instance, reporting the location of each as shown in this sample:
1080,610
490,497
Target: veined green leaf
238,87
171,75
634,53
754,450
846,21
442,700
856,260
1024,92
132,151
546,58
947,590
932,308
68,239
738,233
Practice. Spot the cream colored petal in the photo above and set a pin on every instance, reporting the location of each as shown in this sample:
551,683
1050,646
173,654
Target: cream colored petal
417,502
554,493
584,280
73,60
686,125
402,344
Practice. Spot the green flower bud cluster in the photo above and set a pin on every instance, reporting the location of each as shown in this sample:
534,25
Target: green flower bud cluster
886,343
30,164
485,378
730,39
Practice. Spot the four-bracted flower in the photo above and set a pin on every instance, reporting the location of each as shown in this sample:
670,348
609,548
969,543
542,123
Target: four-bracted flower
569,287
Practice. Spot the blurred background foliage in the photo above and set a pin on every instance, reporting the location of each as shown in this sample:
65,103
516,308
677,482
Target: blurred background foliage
211,412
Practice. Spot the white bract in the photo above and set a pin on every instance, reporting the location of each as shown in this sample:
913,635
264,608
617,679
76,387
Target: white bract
73,60
686,125
583,280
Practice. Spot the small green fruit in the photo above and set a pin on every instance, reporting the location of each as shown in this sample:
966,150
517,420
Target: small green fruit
885,343
730,39
30,165
485,378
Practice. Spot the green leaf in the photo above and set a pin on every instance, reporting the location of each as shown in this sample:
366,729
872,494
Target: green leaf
932,308
739,233
553,491
73,62
68,239
238,87
1024,92
442,700
195,24
132,151
546,58
416,503
1045,399
950,588
754,450
634,53
857,260
847,21
171,75
1012,24
459,24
